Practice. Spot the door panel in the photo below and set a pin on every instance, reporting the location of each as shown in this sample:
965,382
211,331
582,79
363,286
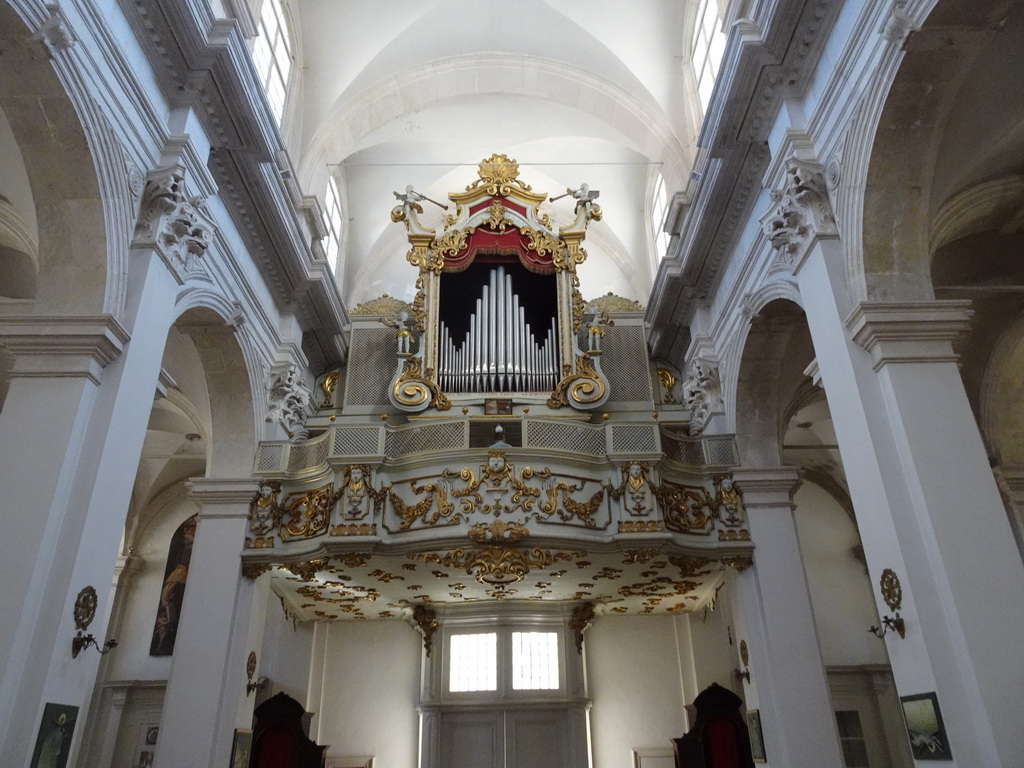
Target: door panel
472,740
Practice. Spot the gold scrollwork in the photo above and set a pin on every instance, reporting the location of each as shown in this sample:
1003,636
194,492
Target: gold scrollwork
543,243
413,387
612,303
253,571
892,590
691,566
738,562
435,499
579,308
583,387
451,243
499,529
579,510
499,174
685,509
496,218
667,380
383,305
308,569
497,565
328,386
354,529
640,526
306,514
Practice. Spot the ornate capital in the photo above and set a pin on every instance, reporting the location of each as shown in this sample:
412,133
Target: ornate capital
290,401
178,227
800,212
702,393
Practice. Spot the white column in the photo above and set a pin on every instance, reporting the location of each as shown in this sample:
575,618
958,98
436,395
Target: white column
773,605
222,618
926,502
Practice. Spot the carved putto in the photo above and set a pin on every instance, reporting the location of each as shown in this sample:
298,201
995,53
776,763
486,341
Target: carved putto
635,489
357,493
729,504
289,402
264,516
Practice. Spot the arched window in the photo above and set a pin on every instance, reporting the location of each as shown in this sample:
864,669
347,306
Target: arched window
332,218
272,53
659,204
707,49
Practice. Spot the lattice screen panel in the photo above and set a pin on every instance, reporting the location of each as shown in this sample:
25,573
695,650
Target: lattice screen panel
269,458
689,452
577,438
372,363
624,362
720,451
355,441
430,437
640,438
305,455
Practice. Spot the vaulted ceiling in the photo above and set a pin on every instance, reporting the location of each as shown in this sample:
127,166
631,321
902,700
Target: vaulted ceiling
419,92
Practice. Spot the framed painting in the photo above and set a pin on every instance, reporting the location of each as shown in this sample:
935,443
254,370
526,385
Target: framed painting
927,734
756,737
240,748
53,743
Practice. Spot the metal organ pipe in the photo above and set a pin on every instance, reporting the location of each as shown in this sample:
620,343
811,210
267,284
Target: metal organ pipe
499,353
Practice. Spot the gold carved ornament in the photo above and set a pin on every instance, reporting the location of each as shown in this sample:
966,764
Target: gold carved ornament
499,175
496,219
413,387
497,565
685,509
583,387
328,385
435,499
264,517
610,302
667,380
426,622
385,305
543,244
892,590
450,244
308,513
307,569
579,308
580,510
582,617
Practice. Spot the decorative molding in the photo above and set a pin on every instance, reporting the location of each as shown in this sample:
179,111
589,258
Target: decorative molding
175,225
55,32
57,347
767,487
800,213
909,332
898,24
702,393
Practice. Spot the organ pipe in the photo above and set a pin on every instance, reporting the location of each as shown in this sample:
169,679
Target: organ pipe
500,352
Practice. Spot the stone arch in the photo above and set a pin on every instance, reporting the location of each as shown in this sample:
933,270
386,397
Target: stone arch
775,352
233,379
78,192
910,156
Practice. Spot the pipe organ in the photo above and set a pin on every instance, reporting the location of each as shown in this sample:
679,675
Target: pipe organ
500,352
498,307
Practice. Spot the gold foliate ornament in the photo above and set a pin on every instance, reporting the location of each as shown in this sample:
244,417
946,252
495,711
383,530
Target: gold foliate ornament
496,218
610,302
892,591
384,305
498,173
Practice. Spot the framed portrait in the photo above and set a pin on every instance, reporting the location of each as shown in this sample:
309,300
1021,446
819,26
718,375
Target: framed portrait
927,734
756,737
53,743
240,748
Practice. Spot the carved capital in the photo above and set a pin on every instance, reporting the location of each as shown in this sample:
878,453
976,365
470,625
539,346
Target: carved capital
55,32
178,227
702,393
800,212
290,401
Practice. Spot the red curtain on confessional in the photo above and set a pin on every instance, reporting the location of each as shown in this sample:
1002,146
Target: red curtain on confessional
277,749
721,745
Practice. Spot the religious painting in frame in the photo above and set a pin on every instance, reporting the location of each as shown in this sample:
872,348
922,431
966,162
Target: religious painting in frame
240,748
54,740
756,737
927,734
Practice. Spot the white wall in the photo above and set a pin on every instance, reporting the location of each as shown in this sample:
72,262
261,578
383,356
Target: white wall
841,593
371,688
633,674
285,659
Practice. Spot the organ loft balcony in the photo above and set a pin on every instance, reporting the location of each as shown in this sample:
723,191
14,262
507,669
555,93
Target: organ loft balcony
498,438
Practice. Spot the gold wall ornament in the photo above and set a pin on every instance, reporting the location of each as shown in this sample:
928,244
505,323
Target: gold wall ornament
436,499
643,555
253,571
728,502
356,492
354,529
498,529
451,243
426,622
569,508
740,535
496,217
613,303
307,513
738,562
84,612
328,385
686,509
414,389
584,388
667,380
264,511
892,590
384,306
544,243
499,175
497,565
307,569
250,671
264,542
691,566
582,617
641,526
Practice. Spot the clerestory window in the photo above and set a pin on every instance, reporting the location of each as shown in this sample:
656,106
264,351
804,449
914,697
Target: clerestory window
707,47
333,220
272,54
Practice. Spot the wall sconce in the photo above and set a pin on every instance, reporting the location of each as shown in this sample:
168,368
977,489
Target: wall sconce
745,658
250,670
892,594
85,612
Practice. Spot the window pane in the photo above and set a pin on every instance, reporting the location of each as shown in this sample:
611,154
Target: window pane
474,663
534,661
851,736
